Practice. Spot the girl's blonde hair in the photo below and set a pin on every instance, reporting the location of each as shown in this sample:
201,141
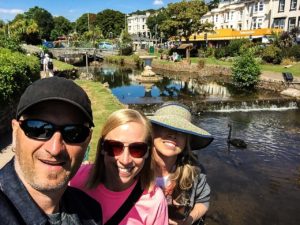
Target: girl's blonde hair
116,119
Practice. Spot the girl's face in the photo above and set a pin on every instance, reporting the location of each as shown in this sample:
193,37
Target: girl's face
168,142
123,168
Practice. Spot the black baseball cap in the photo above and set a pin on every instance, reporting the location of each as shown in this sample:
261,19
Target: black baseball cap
55,88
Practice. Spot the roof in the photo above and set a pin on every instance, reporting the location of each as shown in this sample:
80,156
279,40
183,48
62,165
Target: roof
184,46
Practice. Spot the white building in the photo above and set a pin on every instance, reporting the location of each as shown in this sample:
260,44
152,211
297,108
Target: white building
286,14
254,14
137,25
240,15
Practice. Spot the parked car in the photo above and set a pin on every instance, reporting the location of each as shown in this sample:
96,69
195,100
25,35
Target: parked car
106,46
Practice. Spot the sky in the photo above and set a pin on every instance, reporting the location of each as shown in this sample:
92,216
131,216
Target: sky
73,9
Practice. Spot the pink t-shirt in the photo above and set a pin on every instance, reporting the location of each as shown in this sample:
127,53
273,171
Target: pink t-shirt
150,209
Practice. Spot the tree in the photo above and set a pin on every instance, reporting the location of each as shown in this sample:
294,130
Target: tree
245,70
94,35
154,22
86,22
43,19
24,29
62,26
111,22
2,27
213,4
183,19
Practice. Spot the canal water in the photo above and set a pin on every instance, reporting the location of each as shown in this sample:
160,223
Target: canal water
256,186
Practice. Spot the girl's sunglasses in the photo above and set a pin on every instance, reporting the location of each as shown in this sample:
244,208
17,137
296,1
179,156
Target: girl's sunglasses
116,148
42,130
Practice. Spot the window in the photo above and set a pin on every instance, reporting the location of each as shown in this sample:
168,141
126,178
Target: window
281,5
258,6
231,14
299,22
257,23
216,18
225,17
255,7
291,23
293,4
261,6
279,23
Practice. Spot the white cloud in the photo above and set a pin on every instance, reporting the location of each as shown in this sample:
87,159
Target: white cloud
11,11
72,10
158,2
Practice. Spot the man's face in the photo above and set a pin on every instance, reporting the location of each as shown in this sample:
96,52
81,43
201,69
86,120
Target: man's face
48,165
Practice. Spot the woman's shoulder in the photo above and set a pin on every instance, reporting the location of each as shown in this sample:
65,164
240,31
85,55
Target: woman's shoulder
155,192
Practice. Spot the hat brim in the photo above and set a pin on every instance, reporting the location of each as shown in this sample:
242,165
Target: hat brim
200,138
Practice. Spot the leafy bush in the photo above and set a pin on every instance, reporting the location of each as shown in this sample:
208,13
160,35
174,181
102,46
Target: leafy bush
233,48
201,63
17,71
137,60
246,70
206,52
272,54
220,53
294,52
126,50
10,43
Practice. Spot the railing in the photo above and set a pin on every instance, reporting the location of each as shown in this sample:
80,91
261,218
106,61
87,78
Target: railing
82,51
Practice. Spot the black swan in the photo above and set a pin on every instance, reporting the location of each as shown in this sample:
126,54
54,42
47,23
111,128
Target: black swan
239,143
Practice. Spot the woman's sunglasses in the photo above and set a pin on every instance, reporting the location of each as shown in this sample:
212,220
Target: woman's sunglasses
116,148
42,130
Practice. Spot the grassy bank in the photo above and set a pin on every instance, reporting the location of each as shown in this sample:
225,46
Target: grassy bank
62,66
103,104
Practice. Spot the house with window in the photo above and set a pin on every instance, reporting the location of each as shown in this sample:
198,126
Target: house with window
136,25
240,15
286,14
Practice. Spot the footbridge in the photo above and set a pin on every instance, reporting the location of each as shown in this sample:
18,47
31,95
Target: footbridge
69,53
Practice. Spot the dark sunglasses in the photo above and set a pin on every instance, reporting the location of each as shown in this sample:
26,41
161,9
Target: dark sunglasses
115,148
42,130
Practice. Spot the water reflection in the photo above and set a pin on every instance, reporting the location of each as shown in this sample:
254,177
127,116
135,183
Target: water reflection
261,184
216,95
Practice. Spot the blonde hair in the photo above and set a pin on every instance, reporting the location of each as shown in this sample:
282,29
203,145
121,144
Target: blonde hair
115,120
186,170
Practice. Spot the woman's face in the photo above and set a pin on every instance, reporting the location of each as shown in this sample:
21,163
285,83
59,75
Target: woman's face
168,142
122,169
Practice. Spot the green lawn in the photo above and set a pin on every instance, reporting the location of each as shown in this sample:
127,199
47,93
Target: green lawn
62,66
295,69
103,104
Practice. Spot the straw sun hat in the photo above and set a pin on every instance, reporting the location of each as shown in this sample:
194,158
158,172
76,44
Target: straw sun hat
177,117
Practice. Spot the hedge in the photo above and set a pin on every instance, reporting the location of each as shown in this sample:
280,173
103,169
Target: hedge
17,71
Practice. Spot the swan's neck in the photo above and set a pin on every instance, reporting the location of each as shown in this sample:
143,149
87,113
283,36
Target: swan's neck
229,133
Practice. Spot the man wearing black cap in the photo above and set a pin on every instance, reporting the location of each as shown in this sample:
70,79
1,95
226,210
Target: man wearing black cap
51,132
